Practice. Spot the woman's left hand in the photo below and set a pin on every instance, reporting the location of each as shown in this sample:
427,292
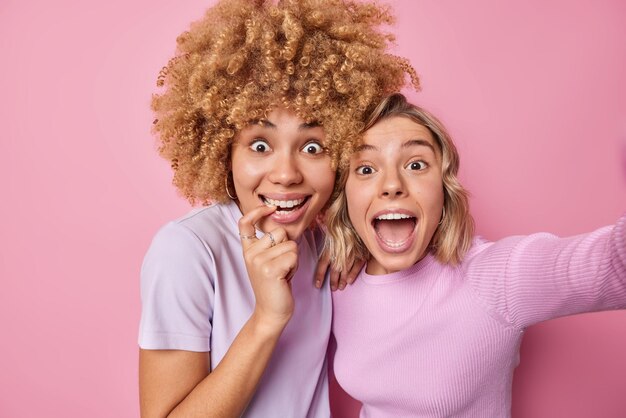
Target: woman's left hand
338,279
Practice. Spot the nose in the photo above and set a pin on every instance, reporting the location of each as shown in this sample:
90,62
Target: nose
285,170
392,185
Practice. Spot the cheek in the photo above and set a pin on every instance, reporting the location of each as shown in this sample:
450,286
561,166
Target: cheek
435,200
244,184
357,205
245,173
323,180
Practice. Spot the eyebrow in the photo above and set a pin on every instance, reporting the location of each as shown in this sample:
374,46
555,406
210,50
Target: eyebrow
408,144
267,124
418,142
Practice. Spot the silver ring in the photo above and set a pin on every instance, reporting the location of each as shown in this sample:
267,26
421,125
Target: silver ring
247,236
272,242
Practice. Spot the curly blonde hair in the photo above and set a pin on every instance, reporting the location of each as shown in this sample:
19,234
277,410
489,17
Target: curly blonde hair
453,236
325,60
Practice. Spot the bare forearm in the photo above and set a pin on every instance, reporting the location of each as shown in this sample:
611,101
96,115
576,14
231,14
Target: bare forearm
227,390
178,384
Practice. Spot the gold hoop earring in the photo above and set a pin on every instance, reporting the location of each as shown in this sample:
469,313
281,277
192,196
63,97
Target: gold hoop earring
226,187
443,215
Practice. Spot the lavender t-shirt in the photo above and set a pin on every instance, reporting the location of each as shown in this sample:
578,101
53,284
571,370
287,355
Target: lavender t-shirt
196,296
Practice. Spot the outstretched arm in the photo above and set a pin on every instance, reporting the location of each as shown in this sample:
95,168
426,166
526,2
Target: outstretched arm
539,277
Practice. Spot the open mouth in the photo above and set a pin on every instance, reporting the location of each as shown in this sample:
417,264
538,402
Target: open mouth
285,207
395,231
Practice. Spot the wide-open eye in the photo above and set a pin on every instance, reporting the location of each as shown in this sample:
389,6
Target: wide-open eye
313,148
364,170
260,145
417,165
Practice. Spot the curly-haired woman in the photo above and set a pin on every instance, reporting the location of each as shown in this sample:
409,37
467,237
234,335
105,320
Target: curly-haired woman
259,102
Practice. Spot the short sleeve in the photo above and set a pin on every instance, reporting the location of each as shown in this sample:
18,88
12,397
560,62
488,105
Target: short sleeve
177,292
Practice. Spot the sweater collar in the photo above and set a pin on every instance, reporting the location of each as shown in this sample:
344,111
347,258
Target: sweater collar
428,260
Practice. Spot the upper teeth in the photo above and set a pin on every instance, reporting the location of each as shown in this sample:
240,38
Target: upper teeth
392,216
283,203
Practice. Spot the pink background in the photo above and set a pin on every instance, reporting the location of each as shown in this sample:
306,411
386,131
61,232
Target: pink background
534,93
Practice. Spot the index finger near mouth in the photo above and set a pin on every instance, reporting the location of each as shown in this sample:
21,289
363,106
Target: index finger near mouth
247,222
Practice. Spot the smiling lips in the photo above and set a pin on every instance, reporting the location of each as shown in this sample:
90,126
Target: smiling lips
289,208
395,230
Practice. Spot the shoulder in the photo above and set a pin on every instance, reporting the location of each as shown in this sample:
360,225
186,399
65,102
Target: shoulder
210,222
479,245
538,246
485,251
197,238
209,227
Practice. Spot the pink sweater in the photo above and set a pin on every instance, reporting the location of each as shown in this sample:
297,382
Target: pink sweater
442,341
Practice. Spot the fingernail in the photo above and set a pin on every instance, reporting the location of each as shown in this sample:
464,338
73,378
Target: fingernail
317,284
341,286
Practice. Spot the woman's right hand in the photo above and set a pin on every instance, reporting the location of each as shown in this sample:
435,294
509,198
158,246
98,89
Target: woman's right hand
177,383
271,262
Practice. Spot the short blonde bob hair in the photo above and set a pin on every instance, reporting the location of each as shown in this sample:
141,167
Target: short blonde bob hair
452,238
324,60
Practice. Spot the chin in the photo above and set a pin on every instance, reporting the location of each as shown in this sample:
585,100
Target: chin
399,266
397,262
